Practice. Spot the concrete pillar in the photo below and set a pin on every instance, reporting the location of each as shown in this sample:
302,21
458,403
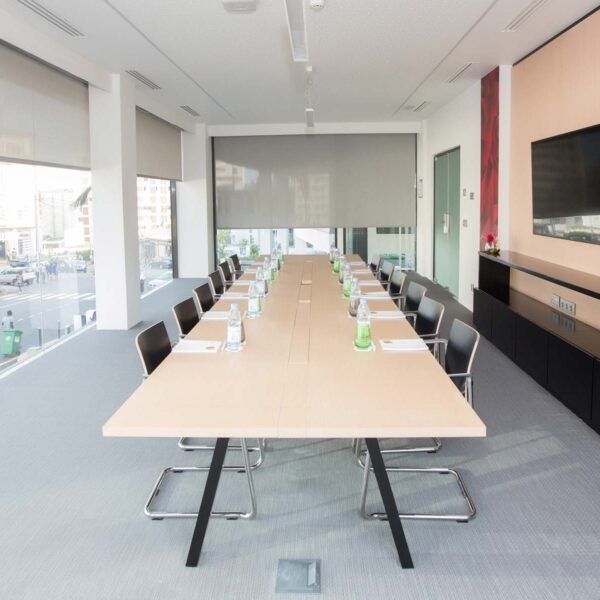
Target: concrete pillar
195,231
114,191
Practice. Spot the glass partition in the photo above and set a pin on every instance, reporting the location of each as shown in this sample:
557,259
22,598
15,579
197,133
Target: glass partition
396,244
250,243
47,288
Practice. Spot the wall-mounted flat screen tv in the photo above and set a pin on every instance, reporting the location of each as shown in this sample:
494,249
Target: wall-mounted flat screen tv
566,186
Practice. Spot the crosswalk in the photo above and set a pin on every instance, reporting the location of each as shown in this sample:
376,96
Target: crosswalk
12,297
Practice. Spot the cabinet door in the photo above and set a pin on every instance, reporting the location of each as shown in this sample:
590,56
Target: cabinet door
531,350
503,328
596,397
570,376
482,313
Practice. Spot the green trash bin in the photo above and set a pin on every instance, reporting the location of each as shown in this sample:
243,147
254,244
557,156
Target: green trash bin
11,342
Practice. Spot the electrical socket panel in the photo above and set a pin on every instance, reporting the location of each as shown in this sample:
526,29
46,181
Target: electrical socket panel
567,306
555,300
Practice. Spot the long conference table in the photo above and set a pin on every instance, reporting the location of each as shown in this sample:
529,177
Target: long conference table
299,376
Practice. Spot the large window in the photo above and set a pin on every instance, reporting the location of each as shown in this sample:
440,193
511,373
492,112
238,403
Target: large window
155,234
47,287
250,243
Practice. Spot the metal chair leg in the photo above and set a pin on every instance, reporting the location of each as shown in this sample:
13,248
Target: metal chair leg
359,453
260,448
461,518
232,515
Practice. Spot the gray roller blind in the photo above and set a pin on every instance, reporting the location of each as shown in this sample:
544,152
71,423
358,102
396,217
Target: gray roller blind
315,181
44,114
158,147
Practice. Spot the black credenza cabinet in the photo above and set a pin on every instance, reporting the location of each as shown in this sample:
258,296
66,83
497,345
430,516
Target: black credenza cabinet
570,373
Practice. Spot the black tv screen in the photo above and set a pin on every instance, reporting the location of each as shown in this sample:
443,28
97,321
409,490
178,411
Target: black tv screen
566,186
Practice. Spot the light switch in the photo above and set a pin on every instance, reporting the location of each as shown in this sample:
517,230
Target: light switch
472,195
465,223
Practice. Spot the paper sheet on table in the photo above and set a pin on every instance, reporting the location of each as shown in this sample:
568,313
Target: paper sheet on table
243,281
357,263
234,295
406,345
379,294
362,271
197,346
369,283
387,314
215,315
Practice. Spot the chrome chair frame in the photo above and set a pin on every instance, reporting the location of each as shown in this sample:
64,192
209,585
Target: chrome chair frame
247,467
158,515
467,391
459,517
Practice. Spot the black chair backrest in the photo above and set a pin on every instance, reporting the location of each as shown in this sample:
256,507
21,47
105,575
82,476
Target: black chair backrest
226,270
217,282
204,297
236,262
460,351
375,263
153,345
387,268
429,317
414,293
397,282
186,316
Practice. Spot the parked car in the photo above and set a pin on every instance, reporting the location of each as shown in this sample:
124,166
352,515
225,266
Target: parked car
79,266
11,276
159,281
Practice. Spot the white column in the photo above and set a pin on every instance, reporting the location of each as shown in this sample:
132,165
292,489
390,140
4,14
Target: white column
195,232
504,137
424,204
114,191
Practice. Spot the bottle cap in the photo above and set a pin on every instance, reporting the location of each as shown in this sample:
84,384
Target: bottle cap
363,300
234,307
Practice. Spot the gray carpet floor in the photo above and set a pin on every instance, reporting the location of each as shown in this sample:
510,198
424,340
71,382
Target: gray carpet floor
72,528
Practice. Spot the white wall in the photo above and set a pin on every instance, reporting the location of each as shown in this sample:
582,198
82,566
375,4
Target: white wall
457,124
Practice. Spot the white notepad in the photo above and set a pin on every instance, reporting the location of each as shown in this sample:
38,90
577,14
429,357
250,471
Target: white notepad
242,282
387,314
197,346
371,282
357,263
234,295
406,345
375,294
362,271
249,270
215,315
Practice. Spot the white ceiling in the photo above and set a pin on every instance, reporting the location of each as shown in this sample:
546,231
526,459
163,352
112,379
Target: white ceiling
370,57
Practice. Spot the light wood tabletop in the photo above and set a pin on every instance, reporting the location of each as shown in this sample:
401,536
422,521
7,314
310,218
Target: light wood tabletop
299,374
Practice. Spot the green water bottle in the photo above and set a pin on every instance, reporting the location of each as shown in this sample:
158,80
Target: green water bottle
362,339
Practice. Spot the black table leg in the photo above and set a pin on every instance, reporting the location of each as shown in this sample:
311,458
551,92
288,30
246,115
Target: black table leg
389,503
210,490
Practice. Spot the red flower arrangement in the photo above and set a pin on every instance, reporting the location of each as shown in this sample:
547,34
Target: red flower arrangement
492,244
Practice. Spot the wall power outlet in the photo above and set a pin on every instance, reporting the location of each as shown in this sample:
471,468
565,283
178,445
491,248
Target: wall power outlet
555,300
567,306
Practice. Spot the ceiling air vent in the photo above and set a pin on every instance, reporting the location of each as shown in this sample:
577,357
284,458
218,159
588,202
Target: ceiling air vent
237,6
190,110
524,15
52,18
408,107
142,79
458,74
422,106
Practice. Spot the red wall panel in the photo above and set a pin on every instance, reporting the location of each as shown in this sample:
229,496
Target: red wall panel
490,102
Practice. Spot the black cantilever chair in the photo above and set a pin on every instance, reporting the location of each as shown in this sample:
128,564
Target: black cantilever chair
384,274
375,263
461,346
186,316
414,292
226,274
237,266
153,345
396,284
216,283
204,297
